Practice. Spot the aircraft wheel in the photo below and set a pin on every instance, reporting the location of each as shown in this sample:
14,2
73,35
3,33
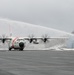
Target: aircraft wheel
10,49
21,49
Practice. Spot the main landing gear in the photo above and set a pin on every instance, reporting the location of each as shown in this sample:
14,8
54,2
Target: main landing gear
20,49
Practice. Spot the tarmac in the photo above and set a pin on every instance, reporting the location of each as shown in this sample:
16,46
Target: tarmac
36,62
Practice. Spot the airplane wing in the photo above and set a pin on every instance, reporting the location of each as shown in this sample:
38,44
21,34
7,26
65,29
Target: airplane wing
31,39
44,39
4,39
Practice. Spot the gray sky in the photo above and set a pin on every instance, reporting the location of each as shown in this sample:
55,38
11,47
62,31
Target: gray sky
57,14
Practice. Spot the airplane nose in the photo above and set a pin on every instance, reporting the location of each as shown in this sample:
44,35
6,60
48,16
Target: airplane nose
21,44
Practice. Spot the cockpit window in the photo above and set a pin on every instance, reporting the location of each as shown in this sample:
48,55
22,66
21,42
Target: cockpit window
20,39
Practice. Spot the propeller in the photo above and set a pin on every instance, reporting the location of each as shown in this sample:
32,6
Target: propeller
3,38
45,38
31,38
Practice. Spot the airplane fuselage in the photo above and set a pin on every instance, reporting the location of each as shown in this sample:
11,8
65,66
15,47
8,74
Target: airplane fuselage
17,43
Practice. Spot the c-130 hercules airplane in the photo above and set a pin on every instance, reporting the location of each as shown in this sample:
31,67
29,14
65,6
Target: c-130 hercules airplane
19,42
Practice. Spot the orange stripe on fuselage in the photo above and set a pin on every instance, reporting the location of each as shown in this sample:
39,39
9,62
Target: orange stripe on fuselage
14,41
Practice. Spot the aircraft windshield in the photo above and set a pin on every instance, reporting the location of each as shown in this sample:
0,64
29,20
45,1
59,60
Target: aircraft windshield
20,39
